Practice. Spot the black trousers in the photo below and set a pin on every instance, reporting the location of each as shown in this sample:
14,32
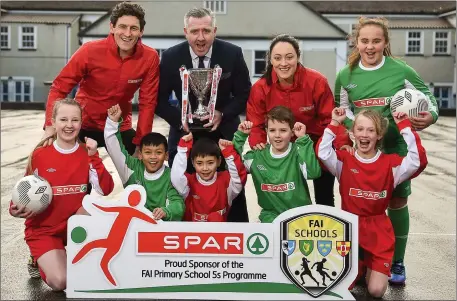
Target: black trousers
238,211
127,138
323,189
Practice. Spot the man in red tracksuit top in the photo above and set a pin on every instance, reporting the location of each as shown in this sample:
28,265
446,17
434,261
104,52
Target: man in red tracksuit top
109,71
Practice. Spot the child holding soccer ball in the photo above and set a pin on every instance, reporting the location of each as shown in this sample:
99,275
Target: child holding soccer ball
367,180
66,164
370,79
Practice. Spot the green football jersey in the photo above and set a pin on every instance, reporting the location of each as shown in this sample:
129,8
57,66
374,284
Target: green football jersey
373,88
160,193
280,180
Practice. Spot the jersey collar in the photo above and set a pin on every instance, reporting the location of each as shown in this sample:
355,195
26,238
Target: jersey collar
206,183
284,154
372,68
152,176
65,151
371,160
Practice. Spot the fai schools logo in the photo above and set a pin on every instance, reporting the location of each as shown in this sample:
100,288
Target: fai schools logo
315,251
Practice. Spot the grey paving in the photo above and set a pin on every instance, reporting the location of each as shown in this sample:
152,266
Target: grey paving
431,253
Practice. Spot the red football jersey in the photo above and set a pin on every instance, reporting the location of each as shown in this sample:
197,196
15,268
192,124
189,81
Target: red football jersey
68,172
366,185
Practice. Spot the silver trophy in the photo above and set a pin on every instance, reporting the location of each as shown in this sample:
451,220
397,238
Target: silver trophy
201,81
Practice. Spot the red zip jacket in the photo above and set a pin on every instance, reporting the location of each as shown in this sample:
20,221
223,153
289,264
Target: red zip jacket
106,80
309,98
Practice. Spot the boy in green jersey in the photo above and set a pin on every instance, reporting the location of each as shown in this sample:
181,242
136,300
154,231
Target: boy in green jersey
149,170
280,170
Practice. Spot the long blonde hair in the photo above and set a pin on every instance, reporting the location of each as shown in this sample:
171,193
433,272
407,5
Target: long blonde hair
382,22
380,123
55,109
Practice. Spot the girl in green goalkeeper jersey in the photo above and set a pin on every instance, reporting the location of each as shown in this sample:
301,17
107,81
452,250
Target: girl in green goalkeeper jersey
370,79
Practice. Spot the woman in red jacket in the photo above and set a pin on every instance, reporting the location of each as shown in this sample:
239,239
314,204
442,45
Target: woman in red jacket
305,91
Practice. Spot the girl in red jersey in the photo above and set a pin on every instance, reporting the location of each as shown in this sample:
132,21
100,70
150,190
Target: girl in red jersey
367,179
69,166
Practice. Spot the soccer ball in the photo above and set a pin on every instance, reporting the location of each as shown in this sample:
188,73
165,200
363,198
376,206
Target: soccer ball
297,273
33,192
409,101
333,273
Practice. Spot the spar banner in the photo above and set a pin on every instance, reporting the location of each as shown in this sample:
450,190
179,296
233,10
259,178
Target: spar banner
120,251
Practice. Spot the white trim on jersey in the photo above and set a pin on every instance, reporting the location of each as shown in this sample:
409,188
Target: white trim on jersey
411,163
327,154
235,185
93,179
113,148
178,172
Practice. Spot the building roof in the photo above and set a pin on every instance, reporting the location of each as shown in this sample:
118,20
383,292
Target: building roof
382,7
38,19
420,24
59,5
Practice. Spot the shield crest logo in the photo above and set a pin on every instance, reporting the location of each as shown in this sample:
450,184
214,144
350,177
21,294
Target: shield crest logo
315,272
306,246
343,247
288,246
324,247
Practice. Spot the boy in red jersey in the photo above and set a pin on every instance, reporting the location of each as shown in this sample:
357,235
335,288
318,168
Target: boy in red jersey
208,193
69,167
367,180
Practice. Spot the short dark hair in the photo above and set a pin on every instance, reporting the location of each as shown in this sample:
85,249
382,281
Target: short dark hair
281,114
154,139
205,147
128,9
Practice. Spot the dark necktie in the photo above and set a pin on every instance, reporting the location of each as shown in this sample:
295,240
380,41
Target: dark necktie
200,62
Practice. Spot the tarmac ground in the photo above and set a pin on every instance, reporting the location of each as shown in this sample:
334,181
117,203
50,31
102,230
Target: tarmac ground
430,256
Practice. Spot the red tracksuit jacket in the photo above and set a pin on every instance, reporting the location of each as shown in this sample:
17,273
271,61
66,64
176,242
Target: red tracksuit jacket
106,80
309,98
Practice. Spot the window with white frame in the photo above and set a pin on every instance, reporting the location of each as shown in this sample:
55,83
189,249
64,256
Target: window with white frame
16,90
442,42
414,42
27,37
443,96
5,37
259,62
216,6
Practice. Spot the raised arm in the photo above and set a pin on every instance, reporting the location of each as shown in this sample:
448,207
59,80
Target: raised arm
70,75
178,170
115,147
237,171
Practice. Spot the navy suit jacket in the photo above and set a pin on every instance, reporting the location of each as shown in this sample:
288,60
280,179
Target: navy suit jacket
233,90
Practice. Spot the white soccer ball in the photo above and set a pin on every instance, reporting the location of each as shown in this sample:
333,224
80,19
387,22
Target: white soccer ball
409,101
33,192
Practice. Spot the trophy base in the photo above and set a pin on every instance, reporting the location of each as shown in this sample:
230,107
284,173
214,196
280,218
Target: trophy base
197,126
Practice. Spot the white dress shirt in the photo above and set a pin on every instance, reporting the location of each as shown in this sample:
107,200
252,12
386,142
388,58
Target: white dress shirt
206,61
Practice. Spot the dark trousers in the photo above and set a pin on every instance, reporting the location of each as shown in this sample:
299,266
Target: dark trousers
238,211
323,189
127,138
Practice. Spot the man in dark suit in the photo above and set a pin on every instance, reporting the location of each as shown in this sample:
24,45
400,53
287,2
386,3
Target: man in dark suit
203,50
